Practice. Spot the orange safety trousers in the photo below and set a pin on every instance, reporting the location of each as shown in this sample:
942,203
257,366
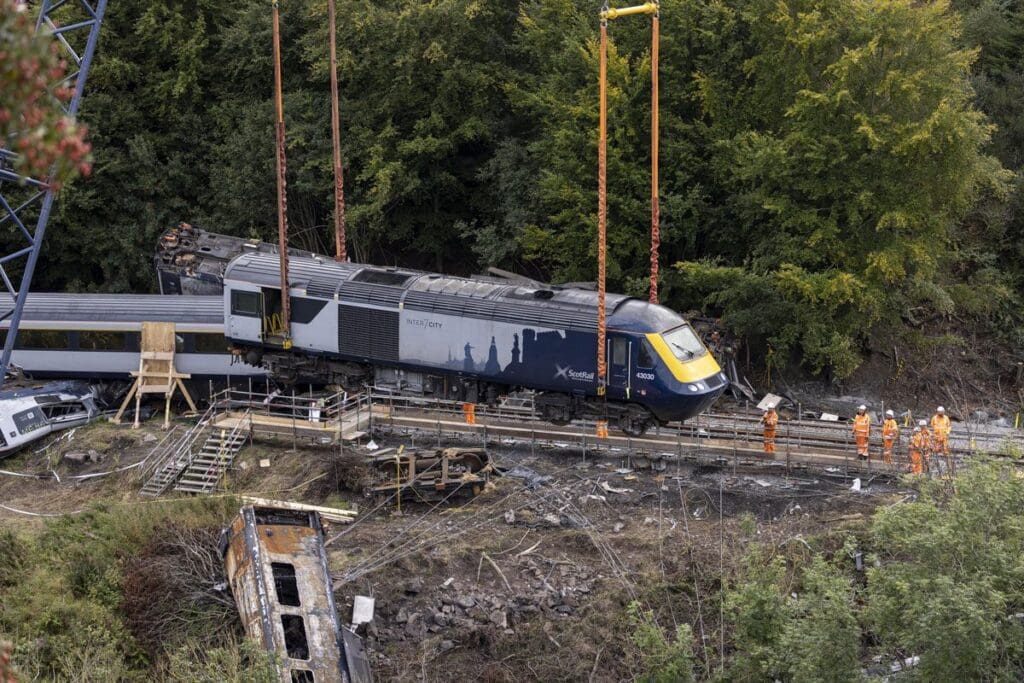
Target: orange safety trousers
862,443
887,443
916,462
769,441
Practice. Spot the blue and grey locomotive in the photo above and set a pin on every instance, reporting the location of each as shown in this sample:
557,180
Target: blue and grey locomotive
469,339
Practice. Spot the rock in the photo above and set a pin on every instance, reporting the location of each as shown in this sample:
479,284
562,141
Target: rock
414,630
465,601
402,616
95,455
441,619
75,457
446,645
149,438
499,618
553,520
563,609
434,628
510,516
413,586
618,527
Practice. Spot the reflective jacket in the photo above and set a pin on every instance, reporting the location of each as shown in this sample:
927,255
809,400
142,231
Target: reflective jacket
920,441
890,430
770,419
862,424
941,426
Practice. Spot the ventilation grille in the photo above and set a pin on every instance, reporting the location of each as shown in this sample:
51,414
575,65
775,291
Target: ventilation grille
377,295
321,288
367,333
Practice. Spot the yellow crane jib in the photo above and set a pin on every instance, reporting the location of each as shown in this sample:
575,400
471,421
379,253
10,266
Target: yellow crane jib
615,13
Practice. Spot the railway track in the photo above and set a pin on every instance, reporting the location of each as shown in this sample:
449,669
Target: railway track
713,439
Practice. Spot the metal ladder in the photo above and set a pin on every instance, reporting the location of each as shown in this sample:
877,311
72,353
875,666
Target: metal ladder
176,456
203,472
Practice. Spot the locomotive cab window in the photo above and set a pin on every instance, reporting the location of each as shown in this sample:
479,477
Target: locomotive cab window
245,303
619,351
684,343
645,357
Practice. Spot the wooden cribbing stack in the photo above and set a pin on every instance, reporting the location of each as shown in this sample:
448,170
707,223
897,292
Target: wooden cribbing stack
156,374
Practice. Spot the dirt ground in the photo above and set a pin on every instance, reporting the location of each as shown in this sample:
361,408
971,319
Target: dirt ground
529,580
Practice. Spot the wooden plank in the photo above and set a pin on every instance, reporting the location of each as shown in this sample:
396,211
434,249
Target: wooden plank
331,514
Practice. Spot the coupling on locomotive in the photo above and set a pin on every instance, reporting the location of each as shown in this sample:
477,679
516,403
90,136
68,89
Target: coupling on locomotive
468,339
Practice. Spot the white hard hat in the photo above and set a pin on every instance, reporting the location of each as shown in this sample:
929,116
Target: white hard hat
862,407
889,413
940,409
922,423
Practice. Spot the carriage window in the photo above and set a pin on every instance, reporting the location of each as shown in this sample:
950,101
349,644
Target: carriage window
285,584
645,358
295,636
101,341
211,343
42,339
245,303
302,676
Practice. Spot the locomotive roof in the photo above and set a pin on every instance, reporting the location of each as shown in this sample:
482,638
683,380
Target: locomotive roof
119,308
474,297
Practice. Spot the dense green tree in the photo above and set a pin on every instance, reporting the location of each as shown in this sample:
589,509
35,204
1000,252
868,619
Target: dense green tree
32,124
948,582
849,150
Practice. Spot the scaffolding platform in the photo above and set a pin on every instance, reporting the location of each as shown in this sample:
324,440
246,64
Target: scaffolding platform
321,420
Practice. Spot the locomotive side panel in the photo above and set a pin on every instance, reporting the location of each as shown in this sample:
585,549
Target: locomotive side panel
507,353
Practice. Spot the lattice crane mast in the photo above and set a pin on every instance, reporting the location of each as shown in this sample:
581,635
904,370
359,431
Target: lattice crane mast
75,25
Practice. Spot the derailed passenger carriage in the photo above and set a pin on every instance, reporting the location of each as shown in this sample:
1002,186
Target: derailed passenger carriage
469,339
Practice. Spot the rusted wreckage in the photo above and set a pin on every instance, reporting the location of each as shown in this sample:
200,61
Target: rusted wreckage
430,475
277,567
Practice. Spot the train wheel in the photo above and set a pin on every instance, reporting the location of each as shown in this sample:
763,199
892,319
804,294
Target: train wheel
634,426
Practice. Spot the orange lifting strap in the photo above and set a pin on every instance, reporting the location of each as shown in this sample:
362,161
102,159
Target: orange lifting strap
602,167
340,253
282,205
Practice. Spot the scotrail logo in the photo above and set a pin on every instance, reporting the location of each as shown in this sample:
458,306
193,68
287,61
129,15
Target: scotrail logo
568,374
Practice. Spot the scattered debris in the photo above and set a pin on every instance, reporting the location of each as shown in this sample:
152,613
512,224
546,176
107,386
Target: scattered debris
430,475
533,479
605,486
856,485
264,462
362,610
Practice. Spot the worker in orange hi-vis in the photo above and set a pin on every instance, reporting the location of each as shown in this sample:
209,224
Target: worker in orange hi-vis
920,444
862,431
890,435
941,427
770,420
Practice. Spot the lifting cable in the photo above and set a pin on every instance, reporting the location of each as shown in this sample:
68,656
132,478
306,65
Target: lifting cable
282,203
607,13
340,253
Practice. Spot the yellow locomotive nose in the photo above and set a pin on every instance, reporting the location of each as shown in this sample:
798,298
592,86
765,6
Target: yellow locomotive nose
684,354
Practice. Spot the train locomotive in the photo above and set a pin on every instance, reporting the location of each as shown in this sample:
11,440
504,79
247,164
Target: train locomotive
468,339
